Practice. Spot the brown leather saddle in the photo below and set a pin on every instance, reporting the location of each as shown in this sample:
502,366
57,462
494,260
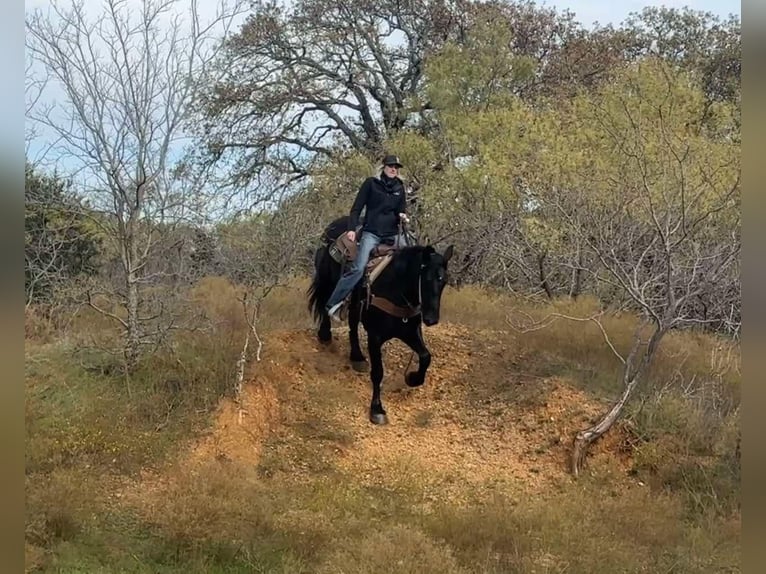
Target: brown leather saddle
343,250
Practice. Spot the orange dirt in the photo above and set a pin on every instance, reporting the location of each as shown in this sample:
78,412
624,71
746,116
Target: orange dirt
477,425
240,427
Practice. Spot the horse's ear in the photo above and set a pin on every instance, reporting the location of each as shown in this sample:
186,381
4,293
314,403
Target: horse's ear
448,254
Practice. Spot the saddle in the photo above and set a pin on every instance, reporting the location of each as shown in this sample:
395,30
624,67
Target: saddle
343,250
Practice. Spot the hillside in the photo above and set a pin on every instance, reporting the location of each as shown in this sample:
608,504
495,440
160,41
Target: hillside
582,188
476,423
469,476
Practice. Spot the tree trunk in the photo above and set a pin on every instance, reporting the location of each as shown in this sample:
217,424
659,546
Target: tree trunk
133,334
632,371
586,437
543,276
576,287
133,342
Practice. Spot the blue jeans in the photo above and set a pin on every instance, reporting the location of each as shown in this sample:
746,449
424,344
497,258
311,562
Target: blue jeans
355,269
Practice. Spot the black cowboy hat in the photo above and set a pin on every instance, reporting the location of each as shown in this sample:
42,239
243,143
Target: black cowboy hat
392,160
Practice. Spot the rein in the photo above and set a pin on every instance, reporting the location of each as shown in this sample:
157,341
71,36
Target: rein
403,313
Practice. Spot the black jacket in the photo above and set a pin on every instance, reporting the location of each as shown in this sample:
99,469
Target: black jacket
384,199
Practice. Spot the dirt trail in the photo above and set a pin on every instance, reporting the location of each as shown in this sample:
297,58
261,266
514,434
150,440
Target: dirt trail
476,426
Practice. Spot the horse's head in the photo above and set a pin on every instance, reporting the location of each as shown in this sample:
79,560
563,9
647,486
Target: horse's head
433,279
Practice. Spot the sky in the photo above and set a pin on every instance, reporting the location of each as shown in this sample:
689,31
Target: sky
587,12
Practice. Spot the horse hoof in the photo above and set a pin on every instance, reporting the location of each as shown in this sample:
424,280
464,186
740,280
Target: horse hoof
360,366
378,419
411,380
326,342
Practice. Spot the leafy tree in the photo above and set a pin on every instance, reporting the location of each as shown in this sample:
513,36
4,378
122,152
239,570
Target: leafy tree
704,46
60,243
653,198
318,77
203,253
316,80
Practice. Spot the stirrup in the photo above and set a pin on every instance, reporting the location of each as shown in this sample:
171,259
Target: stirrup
341,313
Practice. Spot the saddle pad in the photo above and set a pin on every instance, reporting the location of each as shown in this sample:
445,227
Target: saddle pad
377,266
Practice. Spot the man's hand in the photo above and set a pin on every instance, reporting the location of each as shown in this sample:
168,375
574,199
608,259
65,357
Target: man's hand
403,218
351,235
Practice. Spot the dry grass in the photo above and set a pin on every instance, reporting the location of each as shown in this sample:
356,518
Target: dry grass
59,505
214,502
284,307
469,477
399,548
629,530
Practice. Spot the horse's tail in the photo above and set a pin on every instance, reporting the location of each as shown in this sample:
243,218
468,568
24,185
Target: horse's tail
321,285
326,270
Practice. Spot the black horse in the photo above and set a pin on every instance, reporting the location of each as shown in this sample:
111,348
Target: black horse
406,294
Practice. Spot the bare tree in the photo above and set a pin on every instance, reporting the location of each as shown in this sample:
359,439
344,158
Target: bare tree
128,77
662,289
34,86
259,254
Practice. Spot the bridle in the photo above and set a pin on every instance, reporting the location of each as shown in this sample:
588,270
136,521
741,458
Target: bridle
403,313
416,309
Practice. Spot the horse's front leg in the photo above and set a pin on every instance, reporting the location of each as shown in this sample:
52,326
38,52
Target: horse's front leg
377,412
358,362
414,339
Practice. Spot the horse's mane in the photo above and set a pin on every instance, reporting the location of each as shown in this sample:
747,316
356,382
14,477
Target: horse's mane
408,259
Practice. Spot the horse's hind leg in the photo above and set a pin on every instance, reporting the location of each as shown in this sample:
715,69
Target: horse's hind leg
358,362
324,334
377,412
414,339
322,288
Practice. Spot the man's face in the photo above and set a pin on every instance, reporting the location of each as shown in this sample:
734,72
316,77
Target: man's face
391,170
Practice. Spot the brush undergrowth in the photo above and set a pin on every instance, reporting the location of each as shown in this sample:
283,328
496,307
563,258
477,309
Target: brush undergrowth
90,431
683,424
